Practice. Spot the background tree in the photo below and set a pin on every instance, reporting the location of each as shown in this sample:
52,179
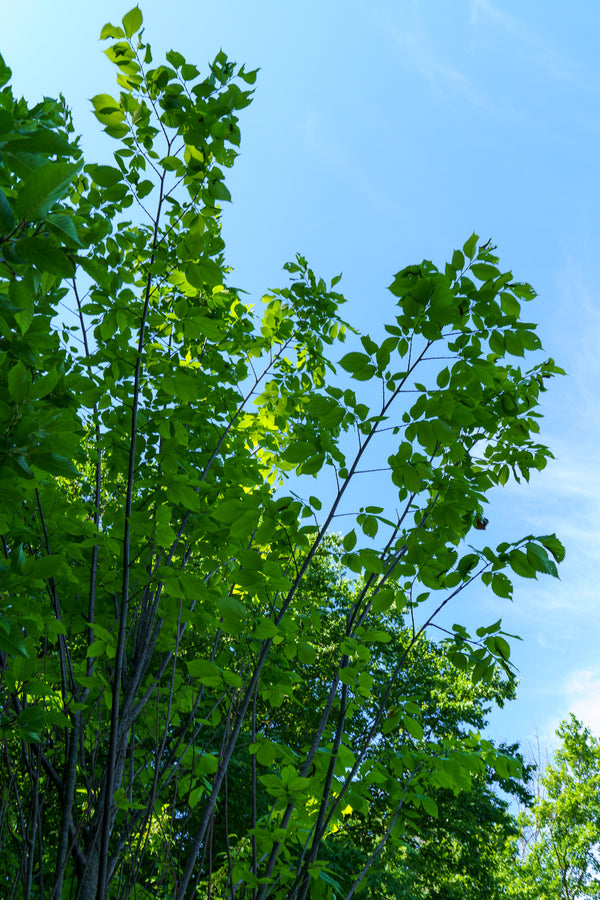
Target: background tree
154,595
556,857
458,853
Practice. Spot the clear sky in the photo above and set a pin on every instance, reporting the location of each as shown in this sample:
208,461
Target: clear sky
384,132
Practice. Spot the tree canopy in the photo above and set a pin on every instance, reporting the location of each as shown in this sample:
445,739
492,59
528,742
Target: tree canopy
186,710
555,856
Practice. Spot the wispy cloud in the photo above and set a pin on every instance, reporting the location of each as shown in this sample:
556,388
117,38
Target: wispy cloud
430,61
583,693
539,49
317,138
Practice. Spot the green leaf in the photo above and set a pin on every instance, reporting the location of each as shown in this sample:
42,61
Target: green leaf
470,246
350,541
65,224
429,805
95,649
19,382
218,191
13,643
111,31
231,510
504,474
107,110
22,295
298,452
45,256
502,585
458,260
104,176
510,305
354,362
523,291
520,564
42,189
205,672
204,273
502,647
132,21
414,728
7,218
55,464
370,526
171,163
175,58
484,271
538,558
551,543
5,72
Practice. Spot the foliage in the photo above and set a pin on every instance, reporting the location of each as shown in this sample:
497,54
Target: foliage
155,601
561,831
454,854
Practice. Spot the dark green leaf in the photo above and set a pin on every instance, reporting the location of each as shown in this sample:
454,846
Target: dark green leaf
354,362
510,305
520,564
5,72
7,218
484,271
104,176
65,224
45,257
19,382
55,464
42,188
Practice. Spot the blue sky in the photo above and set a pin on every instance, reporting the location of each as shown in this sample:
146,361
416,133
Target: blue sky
384,132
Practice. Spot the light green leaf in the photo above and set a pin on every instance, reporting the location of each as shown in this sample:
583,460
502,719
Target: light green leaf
111,31
414,728
132,21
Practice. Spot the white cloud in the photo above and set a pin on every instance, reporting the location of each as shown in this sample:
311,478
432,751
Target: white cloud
538,48
418,50
411,31
317,138
583,693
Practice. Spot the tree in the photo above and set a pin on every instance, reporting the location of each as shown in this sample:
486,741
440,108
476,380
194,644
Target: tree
154,602
560,834
459,852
